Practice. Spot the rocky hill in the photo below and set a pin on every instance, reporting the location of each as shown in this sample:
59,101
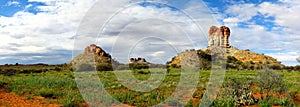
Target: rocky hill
248,56
93,58
235,58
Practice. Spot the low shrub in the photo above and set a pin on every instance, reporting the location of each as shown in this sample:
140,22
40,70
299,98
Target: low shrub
2,84
104,67
47,93
134,66
8,72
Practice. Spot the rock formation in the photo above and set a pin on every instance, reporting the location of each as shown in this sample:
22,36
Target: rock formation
138,60
298,59
94,57
219,36
96,50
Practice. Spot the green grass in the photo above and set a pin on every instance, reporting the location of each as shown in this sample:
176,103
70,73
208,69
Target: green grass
51,85
61,86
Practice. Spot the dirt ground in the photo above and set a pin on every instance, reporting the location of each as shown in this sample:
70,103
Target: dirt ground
13,100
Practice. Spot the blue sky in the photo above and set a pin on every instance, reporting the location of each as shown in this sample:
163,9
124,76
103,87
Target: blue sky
42,31
10,7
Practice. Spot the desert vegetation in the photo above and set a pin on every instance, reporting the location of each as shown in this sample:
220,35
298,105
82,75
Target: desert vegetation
56,83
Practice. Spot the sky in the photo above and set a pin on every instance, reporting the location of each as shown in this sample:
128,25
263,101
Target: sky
54,31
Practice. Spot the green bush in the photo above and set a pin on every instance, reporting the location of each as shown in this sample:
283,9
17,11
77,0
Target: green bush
47,93
275,66
9,72
104,67
236,93
2,83
28,71
270,82
134,66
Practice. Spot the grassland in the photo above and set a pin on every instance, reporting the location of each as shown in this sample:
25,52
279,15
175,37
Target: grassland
243,87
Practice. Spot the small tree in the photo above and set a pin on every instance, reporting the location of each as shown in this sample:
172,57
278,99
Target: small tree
270,82
104,67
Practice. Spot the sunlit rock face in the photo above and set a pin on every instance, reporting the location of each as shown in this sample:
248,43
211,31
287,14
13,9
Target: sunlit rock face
219,36
96,50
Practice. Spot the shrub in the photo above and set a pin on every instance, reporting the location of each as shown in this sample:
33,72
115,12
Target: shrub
143,71
134,66
2,83
236,93
47,93
275,66
269,81
28,71
9,72
272,84
104,67
57,69
231,59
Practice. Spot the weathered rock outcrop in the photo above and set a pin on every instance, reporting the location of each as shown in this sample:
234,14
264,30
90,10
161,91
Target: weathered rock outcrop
218,45
138,60
235,58
219,36
93,58
96,50
190,58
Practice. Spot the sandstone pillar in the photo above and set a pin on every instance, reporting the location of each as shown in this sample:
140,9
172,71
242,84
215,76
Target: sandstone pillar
226,42
218,36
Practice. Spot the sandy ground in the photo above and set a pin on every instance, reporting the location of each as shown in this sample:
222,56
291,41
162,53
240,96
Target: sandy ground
13,100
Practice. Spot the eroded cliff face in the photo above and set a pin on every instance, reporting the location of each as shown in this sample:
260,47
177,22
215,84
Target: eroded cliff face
219,36
96,50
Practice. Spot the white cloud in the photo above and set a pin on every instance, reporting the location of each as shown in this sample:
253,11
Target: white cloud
240,13
150,31
54,27
282,38
288,57
158,53
285,14
298,59
44,32
12,3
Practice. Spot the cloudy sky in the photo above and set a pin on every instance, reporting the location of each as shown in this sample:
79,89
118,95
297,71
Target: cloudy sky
47,31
